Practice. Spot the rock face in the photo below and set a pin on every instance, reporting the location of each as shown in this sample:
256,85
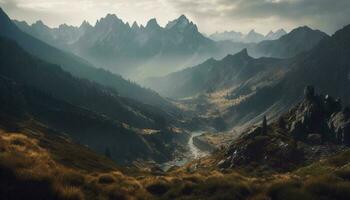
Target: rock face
340,122
316,127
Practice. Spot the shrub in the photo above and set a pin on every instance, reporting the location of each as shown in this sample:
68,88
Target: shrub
70,178
116,193
158,188
69,193
106,179
290,190
329,187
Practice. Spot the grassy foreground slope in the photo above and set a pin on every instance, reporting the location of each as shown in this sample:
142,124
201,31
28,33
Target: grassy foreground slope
37,164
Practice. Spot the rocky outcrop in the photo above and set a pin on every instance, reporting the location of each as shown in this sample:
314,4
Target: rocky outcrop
203,144
340,123
313,116
316,127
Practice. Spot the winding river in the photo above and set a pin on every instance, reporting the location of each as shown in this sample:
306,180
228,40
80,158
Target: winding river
193,153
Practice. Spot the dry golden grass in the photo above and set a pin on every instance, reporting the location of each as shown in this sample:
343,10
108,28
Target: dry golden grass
68,192
34,167
30,162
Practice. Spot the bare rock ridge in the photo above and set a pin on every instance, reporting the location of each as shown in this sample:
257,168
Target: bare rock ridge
316,127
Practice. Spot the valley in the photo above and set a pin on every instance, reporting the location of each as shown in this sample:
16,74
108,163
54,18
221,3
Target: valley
192,153
163,110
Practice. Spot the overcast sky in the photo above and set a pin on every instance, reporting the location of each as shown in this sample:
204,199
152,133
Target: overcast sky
209,15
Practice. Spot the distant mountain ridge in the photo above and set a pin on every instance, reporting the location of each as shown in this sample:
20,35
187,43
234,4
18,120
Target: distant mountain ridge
214,75
299,40
123,48
326,66
141,52
251,37
77,66
272,89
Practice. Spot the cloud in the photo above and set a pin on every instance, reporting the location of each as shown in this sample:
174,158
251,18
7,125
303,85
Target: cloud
328,15
210,15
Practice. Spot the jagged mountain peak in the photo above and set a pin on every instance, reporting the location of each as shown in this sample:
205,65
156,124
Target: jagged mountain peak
85,25
152,23
281,31
111,16
183,18
180,23
109,20
135,25
269,33
39,23
243,54
275,35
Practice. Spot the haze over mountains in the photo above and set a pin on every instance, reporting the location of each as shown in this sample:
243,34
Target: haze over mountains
77,66
245,88
235,117
47,93
126,49
251,37
138,52
230,71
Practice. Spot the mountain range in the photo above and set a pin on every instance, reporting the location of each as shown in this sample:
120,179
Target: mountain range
299,40
140,52
58,96
34,89
251,37
129,50
240,69
273,114
243,88
79,67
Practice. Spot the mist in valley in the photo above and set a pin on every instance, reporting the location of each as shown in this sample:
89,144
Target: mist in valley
200,100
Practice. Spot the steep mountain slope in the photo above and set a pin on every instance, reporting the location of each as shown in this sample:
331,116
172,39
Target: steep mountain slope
89,113
326,67
22,104
315,128
299,40
231,73
77,66
21,67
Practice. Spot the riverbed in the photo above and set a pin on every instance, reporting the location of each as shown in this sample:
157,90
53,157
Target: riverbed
193,153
